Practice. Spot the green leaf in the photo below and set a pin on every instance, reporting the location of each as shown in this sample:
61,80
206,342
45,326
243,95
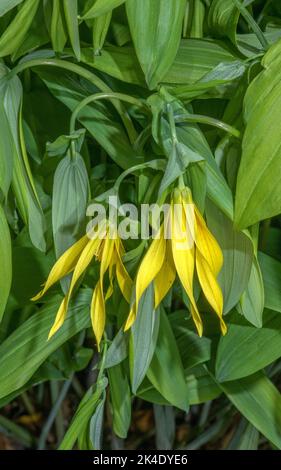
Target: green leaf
193,349
143,338
201,387
100,27
271,273
14,35
246,437
119,62
100,7
6,262
120,397
85,411
27,347
257,193
156,31
7,5
217,189
96,425
196,58
71,18
237,253
166,359
118,350
22,181
223,19
70,198
252,300
259,402
261,346
58,28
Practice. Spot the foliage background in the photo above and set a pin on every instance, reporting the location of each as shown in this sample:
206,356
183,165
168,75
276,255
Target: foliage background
214,66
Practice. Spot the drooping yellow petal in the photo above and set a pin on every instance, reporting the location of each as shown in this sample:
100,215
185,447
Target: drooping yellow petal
98,301
183,255
64,265
148,270
124,280
82,264
98,313
210,287
166,276
131,318
207,244
60,317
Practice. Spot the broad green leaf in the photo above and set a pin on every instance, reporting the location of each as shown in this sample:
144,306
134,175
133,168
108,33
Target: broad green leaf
32,266
23,183
260,347
252,300
118,350
14,35
217,189
196,58
100,27
27,347
257,195
166,359
237,256
201,387
100,7
71,18
144,337
119,62
193,349
271,273
58,28
7,5
223,19
85,411
259,402
156,31
120,397
6,262
70,198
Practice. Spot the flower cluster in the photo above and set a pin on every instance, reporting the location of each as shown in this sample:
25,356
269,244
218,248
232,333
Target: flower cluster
189,248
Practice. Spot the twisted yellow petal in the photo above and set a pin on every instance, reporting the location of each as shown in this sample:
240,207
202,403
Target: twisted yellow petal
83,262
210,287
207,244
148,270
98,301
64,265
165,278
183,255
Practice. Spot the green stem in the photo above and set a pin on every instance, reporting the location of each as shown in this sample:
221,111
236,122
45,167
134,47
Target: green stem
27,403
198,118
82,73
252,24
102,365
101,96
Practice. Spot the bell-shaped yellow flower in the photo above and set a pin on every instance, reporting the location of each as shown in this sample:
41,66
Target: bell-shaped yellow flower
109,251
190,246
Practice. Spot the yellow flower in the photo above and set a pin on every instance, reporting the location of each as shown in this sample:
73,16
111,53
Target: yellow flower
190,246
109,252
